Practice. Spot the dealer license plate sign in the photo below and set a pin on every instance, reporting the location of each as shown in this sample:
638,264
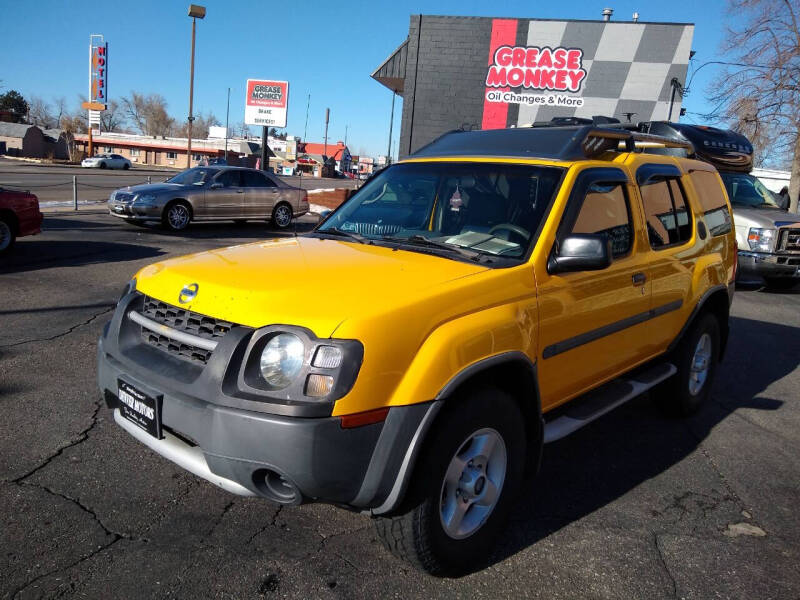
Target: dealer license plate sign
140,408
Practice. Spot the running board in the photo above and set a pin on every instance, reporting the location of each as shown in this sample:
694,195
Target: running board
580,412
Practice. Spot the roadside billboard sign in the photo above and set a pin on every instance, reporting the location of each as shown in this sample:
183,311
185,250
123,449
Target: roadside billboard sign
266,103
98,86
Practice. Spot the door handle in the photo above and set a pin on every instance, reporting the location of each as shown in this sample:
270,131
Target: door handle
639,279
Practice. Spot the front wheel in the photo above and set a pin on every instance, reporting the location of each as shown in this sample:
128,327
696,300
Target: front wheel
282,216
126,166
696,360
463,487
177,216
103,165
7,236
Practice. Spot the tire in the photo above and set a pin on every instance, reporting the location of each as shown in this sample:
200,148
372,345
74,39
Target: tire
126,166
425,531
8,235
282,215
782,283
103,165
682,394
177,215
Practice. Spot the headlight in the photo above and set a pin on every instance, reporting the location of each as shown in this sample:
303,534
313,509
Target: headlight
282,359
145,199
761,240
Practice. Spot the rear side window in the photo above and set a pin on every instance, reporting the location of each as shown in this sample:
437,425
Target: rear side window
255,179
605,210
712,200
229,178
668,218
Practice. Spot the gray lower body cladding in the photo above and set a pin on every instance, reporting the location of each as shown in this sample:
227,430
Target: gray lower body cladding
359,467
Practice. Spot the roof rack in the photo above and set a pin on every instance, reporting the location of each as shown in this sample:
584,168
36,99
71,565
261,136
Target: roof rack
575,142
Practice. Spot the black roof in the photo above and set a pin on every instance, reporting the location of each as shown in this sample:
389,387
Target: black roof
576,142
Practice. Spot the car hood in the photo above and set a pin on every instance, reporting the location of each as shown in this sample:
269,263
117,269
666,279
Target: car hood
305,281
155,188
763,217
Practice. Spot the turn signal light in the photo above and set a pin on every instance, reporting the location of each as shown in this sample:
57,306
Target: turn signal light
318,386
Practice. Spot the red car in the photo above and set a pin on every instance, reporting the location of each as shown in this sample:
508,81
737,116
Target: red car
19,215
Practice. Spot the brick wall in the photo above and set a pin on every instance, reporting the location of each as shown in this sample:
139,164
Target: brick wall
445,77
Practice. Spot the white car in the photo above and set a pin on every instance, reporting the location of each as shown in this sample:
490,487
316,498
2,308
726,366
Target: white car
106,161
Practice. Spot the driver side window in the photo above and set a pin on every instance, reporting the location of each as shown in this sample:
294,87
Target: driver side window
605,210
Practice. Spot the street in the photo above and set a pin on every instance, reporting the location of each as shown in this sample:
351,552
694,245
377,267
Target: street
52,184
636,505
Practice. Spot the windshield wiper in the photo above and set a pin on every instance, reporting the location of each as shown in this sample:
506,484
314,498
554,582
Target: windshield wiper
421,240
348,234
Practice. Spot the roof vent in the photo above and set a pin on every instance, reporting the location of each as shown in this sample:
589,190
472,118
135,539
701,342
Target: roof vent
607,12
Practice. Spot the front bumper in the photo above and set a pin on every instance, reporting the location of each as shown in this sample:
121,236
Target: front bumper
758,266
132,211
246,451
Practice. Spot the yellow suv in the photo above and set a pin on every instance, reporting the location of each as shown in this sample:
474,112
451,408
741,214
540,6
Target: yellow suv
410,356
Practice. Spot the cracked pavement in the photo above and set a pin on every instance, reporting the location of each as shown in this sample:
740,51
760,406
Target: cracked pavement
634,506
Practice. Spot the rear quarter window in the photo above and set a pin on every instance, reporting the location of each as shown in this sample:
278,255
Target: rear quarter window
713,202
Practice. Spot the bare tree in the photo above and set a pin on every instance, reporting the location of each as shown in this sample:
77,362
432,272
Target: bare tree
71,125
113,117
40,113
148,113
199,126
765,90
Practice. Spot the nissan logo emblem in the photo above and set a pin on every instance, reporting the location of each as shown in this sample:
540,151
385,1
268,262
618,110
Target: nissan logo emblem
188,293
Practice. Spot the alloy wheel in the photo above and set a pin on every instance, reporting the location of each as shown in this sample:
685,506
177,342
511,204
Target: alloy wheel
178,216
473,483
701,361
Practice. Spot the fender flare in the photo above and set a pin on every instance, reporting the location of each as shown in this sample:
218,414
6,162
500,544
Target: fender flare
403,477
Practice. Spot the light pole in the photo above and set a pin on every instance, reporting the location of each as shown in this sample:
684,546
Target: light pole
196,12
227,117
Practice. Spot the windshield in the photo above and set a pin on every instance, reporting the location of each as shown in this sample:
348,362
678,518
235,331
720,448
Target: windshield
489,209
746,190
192,177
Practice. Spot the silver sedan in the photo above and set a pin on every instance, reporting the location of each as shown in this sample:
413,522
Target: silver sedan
211,194
106,161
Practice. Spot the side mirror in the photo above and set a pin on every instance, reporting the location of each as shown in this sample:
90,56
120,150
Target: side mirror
580,252
215,186
323,216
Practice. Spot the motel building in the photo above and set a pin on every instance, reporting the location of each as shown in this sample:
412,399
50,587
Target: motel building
493,73
168,151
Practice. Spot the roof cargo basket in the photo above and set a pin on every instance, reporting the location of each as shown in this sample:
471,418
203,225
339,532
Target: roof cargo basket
727,150
558,143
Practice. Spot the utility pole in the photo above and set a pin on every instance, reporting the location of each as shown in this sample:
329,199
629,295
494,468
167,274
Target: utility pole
227,117
676,87
391,124
264,159
327,119
345,134
305,131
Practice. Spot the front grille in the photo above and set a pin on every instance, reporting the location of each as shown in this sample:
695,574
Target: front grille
183,320
790,240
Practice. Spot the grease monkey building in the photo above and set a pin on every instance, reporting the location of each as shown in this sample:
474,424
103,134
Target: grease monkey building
488,73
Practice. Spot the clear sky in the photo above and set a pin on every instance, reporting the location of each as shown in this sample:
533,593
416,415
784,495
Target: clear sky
326,49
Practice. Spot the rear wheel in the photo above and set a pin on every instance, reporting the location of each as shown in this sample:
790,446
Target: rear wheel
282,215
783,283
177,216
7,234
463,487
696,360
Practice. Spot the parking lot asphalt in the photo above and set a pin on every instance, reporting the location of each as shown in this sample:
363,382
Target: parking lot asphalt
53,183
636,505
